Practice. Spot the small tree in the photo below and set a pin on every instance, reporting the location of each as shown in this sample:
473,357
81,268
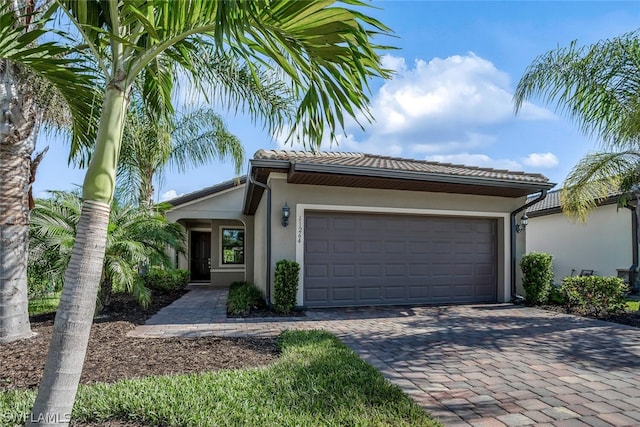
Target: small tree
135,235
286,285
537,279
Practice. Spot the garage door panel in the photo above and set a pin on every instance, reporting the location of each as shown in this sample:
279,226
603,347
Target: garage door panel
367,259
419,270
418,292
394,247
395,270
369,293
316,296
395,293
370,246
341,294
344,224
344,270
316,271
420,247
442,247
317,246
344,247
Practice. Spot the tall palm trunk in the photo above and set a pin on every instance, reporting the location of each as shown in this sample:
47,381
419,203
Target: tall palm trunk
21,123
73,321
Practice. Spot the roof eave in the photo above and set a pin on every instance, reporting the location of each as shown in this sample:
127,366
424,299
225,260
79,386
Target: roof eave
419,176
254,192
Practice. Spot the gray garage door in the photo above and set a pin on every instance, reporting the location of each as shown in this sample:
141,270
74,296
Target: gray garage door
367,259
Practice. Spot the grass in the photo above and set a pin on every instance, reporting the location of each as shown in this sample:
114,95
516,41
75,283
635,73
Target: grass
633,305
44,305
317,381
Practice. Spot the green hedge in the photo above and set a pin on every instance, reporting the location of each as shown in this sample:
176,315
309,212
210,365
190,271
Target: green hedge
165,281
594,295
537,277
243,296
286,285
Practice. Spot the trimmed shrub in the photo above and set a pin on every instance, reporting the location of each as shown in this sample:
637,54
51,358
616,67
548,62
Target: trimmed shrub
286,285
243,296
555,296
537,279
165,281
594,295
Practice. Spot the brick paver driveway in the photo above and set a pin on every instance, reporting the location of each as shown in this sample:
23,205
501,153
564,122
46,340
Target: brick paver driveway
473,365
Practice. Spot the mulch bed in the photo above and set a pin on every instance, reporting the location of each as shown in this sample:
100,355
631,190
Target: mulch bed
628,318
112,355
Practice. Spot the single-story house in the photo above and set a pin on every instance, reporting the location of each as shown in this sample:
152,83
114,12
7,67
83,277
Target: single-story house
365,229
603,245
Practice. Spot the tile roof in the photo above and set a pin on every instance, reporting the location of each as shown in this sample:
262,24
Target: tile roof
552,201
397,164
552,204
185,198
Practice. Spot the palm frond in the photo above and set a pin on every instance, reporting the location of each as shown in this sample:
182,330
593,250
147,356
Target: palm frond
65,73
596,86
596,177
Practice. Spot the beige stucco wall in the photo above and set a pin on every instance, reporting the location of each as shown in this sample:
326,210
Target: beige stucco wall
224,208
602,244
284,239
260,245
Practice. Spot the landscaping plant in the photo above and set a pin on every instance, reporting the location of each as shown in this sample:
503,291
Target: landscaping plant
165,280
537,277
286,285
243,296
594,295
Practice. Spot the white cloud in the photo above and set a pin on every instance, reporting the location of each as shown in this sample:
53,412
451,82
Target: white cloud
433,95
442,106
393,63
171,194
442,109
541,160
481,160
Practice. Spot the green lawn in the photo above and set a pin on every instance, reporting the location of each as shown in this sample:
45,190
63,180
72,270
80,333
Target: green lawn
633,305
44,305
317,381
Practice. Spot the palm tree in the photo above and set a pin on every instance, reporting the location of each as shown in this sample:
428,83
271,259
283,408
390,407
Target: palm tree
32,93
135,235
148,147
598,86
324,51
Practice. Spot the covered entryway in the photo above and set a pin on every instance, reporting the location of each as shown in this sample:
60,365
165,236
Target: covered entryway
355,259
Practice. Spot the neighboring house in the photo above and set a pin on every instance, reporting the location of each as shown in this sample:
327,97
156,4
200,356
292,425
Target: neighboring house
365,229
602,245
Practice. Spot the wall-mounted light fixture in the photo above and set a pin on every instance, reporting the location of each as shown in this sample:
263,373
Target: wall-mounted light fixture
285,214
523,223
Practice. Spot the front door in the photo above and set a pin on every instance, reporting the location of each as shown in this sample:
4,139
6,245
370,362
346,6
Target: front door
201,255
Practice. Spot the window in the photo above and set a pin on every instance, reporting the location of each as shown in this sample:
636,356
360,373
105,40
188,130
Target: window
232,246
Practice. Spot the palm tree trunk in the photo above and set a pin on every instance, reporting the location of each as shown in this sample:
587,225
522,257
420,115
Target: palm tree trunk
17,143
72,324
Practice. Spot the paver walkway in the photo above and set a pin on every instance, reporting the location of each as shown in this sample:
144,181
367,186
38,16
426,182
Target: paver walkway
472,365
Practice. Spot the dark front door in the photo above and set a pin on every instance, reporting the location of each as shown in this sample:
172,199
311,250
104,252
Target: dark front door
200,255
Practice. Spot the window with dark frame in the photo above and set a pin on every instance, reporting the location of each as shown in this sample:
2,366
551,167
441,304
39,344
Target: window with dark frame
232,246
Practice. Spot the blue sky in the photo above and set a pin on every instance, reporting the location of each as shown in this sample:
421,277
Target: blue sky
450,100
